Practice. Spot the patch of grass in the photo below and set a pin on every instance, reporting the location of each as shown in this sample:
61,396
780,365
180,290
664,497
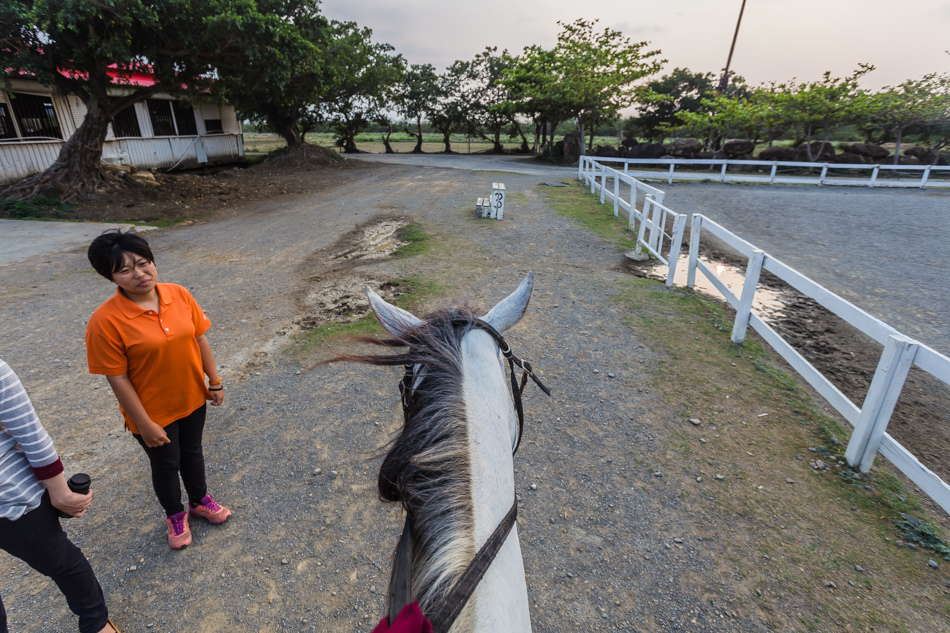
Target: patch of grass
575,202
412,294
418,241
39,206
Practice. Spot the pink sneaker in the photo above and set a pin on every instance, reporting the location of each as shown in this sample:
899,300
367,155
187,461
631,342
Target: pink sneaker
178,533
209,509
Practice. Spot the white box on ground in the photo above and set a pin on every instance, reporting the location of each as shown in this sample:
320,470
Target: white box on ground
498,200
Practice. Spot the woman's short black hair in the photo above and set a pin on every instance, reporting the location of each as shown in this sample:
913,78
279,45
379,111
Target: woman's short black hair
107,252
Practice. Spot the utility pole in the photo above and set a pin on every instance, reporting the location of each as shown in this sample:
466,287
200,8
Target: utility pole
724,82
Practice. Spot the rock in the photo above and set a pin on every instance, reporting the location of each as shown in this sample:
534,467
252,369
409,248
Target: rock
606,151
637,255
552,519
284,561
719,477
610,375
740,147
847,158
572,147
820,465
933,563
533,486
912,546
830,584
834,440
629,142
789,480
596,371
333,474
372,588
695,421
910,160
870,150
646,150
684,148
678,540
317,471
859,569
779,153
657,474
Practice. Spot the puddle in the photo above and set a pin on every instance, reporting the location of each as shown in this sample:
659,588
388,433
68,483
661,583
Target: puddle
378,241
769,304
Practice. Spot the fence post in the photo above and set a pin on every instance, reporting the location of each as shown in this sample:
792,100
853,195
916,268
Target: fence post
672,166
580,168
926,176
695,229
647,204
656,227
603,183
886,386
626,165
744,309
722,174
679,227
772,175
616,193
876,169
824,172
593,175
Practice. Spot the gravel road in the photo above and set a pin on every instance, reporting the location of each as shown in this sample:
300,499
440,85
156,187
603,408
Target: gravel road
609,543
308,552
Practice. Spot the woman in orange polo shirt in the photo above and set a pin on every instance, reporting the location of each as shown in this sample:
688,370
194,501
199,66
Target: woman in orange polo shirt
149,341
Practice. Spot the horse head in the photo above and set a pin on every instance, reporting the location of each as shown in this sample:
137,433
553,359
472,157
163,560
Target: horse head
451,467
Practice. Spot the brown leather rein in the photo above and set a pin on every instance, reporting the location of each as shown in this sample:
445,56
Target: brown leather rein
400,587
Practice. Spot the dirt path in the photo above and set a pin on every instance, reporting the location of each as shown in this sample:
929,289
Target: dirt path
609,543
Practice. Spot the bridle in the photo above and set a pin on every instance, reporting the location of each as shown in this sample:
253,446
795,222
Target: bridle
400,589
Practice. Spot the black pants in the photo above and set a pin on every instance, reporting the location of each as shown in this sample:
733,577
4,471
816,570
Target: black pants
182,455
37,538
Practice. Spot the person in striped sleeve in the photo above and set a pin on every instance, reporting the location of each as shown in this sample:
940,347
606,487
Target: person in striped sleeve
32,489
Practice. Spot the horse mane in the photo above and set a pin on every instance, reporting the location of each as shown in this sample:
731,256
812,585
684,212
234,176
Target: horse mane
427,468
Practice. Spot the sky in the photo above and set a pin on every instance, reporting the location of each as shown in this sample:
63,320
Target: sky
779,39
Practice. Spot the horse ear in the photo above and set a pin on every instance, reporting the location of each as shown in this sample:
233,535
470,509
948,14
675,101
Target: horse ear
510,309
394,320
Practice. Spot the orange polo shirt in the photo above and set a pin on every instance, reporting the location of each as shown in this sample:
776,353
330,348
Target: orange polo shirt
159,351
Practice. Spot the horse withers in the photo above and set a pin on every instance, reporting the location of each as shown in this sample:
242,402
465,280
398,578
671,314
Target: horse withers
451,467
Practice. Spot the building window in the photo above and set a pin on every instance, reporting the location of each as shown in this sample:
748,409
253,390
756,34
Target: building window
160,112
36,116
185,118
125,123
213,126
6,123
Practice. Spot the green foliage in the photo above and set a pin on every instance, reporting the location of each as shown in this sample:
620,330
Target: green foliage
38,206
417,240
660,100
917,531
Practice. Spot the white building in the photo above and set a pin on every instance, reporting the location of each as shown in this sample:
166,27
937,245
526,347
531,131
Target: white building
160,132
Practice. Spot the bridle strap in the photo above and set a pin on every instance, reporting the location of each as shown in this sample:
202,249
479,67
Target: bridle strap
400,590
454,602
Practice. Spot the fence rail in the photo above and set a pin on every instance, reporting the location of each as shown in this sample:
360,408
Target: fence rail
900,353
828,172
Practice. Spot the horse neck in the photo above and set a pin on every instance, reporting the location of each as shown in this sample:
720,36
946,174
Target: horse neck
500,601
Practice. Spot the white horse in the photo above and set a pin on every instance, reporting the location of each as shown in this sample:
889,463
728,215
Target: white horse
451,467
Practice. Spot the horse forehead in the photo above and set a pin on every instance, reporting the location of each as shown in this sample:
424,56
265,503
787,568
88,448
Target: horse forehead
479,345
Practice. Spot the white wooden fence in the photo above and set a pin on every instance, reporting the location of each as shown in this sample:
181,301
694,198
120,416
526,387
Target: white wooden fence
900,352
917,176
652,218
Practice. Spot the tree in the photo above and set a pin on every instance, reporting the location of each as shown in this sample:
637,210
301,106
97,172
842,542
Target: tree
534,92
491,112
80,46
416,96
597,72
282,82
661,100
365,77
820,108
452,109
916,102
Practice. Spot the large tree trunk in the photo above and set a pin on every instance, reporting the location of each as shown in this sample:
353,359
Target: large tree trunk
418,148
447,139
580,133
497,147
77,171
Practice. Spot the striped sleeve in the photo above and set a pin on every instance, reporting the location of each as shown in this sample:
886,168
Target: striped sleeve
19,420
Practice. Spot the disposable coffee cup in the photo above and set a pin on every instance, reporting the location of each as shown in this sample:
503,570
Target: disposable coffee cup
78,483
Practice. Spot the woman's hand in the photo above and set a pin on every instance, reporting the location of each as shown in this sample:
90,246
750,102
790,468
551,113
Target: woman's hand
153,435
217,395
64,499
